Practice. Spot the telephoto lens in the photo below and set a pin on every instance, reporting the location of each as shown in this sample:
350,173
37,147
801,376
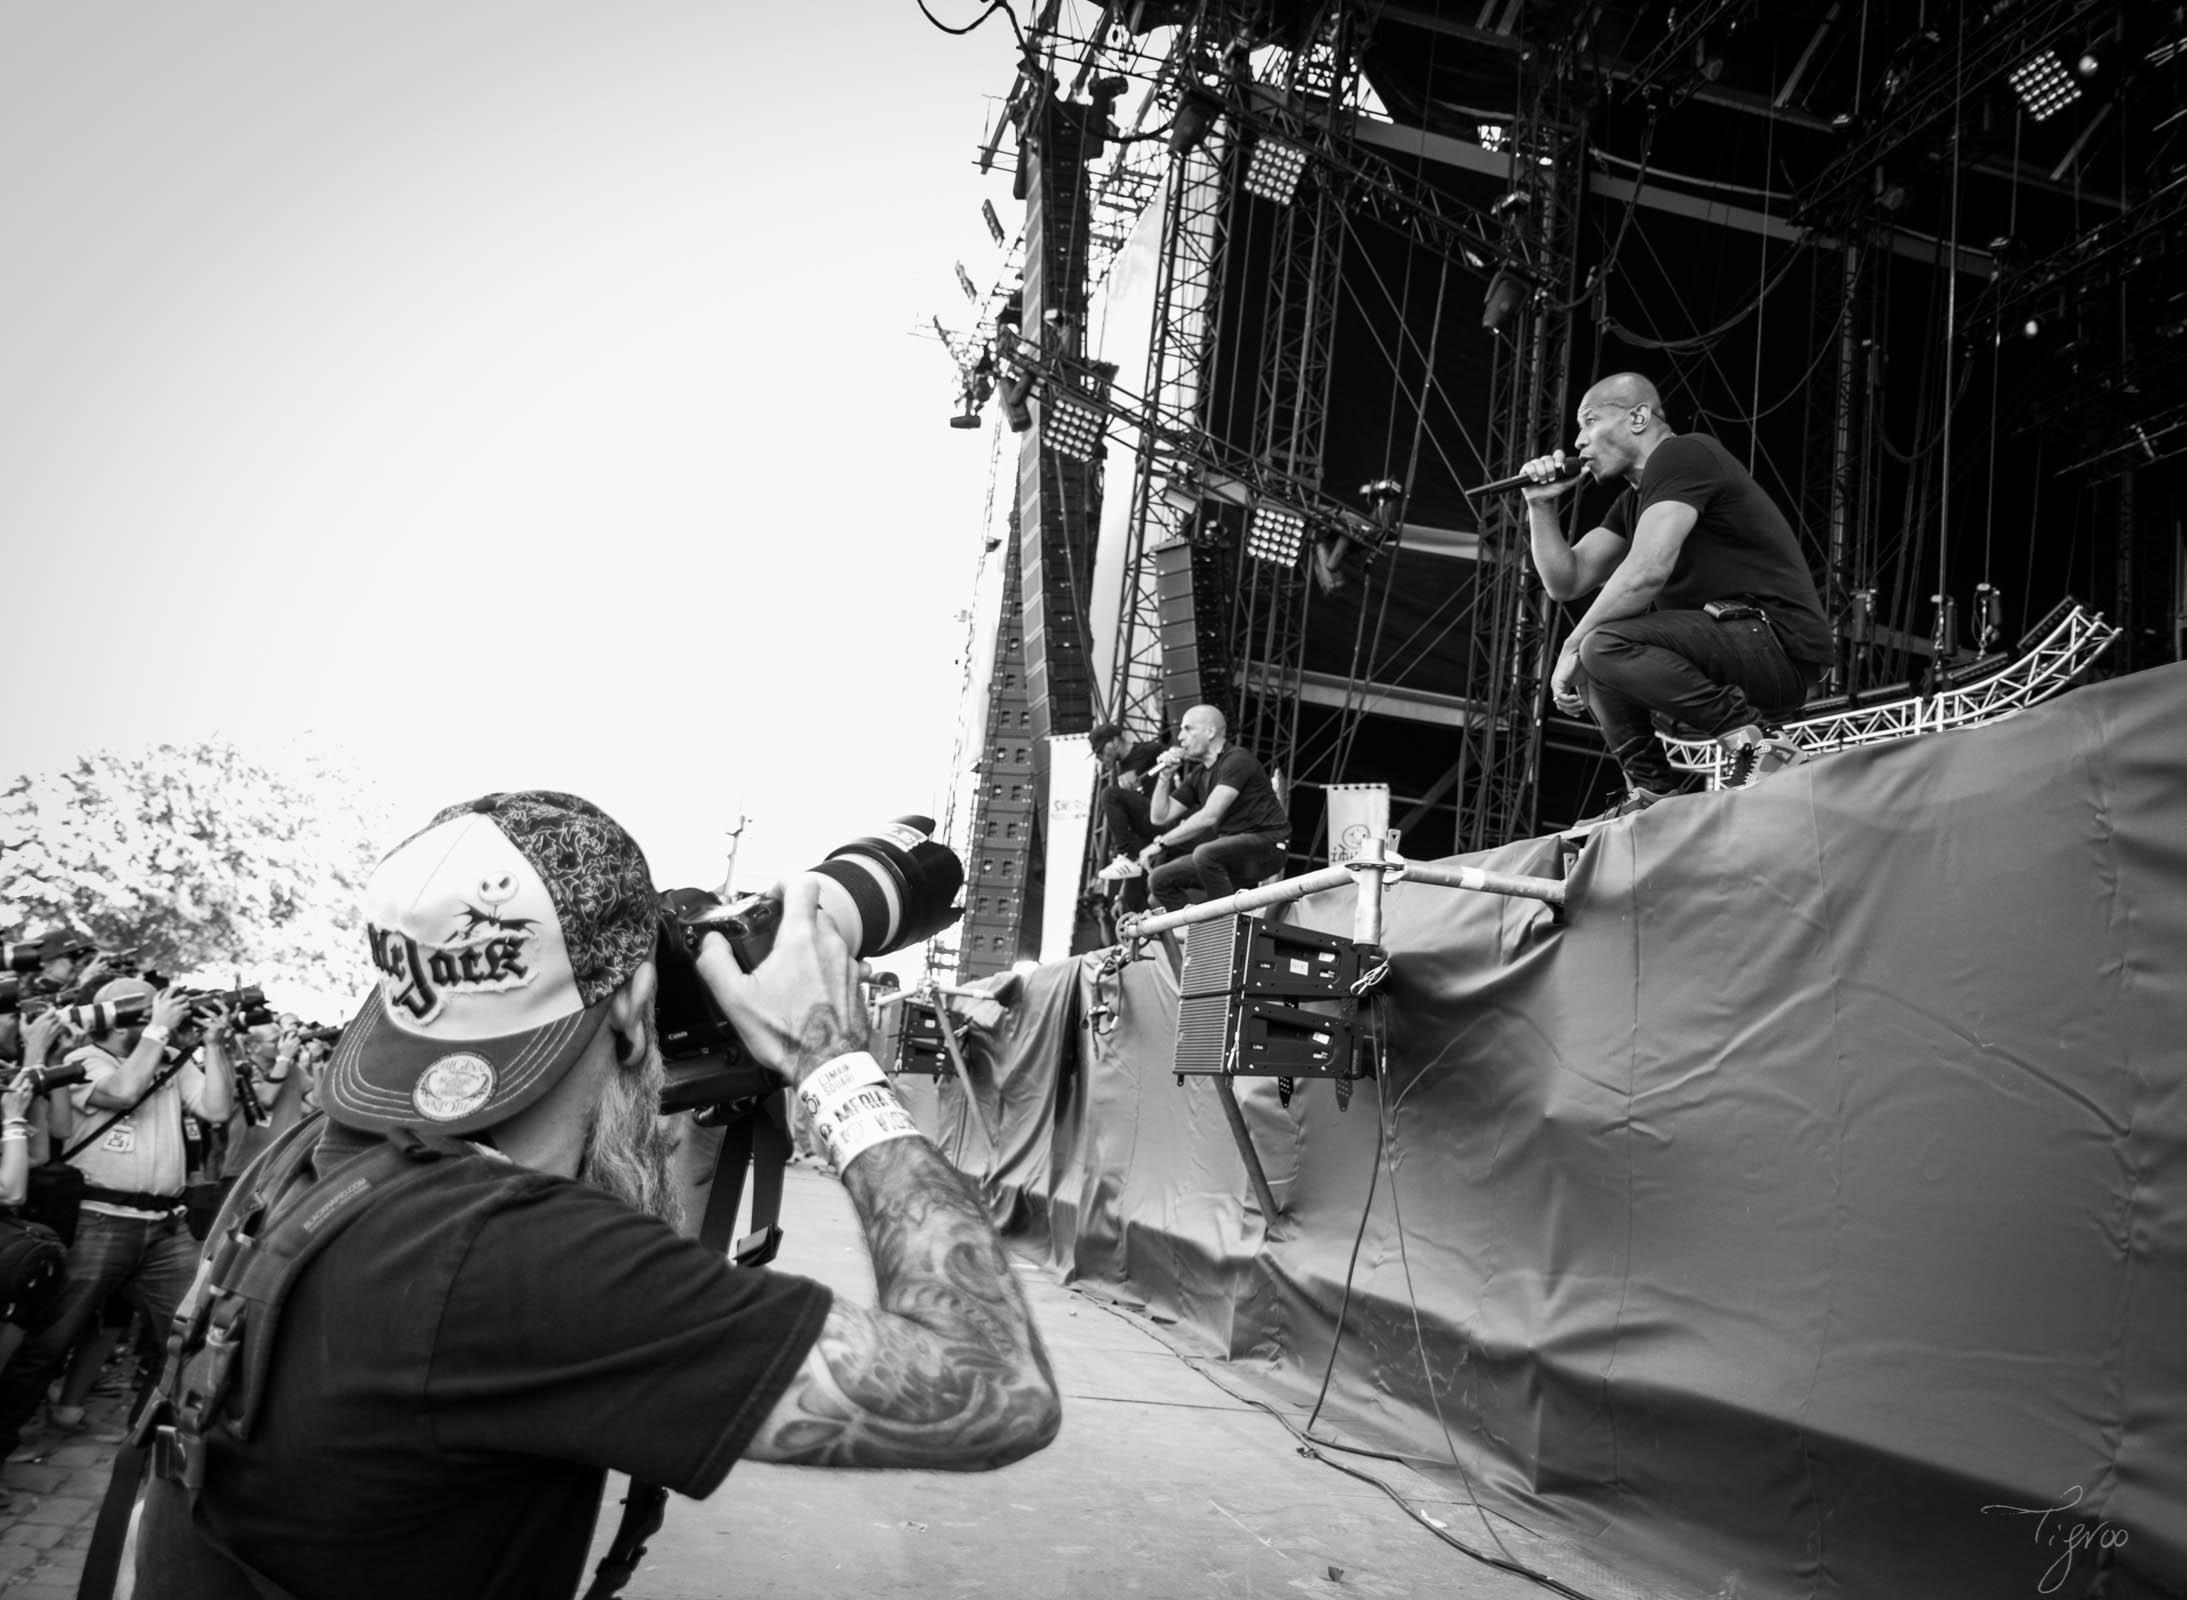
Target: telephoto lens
41,1079
99,1018
882,892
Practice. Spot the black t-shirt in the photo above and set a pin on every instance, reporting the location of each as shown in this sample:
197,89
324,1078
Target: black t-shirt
1740,545
452,1381
1140,757
1256,810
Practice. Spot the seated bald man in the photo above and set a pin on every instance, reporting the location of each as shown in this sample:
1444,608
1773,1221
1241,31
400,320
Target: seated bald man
1222,827
1703,608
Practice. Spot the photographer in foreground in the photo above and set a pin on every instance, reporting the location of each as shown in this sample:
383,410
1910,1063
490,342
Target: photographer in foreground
489,1334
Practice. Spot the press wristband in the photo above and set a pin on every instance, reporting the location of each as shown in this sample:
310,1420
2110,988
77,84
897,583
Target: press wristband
852,1108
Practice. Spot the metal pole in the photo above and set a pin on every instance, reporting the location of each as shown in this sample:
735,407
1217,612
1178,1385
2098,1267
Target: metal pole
1392,867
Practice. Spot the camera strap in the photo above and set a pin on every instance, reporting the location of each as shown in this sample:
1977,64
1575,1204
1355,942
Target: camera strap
130,1110
275,1221
759,1140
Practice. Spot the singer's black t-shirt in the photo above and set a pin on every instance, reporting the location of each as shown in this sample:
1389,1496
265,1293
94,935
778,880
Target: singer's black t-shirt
1741,545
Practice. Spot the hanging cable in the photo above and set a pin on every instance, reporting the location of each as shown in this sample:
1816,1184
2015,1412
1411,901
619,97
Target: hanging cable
993,6
1599,280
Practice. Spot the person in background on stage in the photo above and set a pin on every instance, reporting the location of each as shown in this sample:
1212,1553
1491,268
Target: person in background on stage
1222,827
1704,611
1122,805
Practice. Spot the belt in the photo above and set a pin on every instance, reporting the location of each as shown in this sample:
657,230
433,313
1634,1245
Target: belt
135,1199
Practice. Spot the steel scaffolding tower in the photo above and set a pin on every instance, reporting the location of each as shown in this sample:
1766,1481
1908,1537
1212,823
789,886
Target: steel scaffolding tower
1497,775
1291,393
1195,227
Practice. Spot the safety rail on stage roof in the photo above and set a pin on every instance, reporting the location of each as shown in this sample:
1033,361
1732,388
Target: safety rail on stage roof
2057,655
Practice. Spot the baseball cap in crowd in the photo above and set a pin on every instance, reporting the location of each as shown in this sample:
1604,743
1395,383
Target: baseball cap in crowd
499,932
123,989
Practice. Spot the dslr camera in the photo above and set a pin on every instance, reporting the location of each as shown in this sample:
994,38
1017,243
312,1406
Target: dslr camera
882,892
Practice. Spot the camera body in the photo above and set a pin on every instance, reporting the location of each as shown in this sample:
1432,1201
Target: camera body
882,892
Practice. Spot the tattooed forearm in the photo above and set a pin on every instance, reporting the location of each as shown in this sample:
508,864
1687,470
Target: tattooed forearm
948,1370
822,1035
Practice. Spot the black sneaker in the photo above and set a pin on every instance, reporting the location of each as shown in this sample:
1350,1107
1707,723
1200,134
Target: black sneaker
1754,752
1638,798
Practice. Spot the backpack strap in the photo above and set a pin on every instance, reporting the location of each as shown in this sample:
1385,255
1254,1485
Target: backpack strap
275,1221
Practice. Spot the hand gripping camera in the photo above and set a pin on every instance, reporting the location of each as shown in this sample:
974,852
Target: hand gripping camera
887,890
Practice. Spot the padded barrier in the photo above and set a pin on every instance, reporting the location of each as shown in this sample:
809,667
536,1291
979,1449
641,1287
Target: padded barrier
1803,1217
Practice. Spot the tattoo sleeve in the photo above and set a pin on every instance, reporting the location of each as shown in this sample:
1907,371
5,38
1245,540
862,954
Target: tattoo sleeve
947,1371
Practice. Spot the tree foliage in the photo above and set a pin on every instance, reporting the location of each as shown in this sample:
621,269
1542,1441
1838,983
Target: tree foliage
203,859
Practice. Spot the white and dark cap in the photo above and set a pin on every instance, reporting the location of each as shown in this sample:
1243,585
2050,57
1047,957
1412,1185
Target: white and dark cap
499,932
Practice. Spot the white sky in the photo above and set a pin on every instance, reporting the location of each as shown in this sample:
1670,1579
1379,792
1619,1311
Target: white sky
509,394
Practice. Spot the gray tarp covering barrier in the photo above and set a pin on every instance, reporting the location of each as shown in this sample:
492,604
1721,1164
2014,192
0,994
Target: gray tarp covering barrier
1804,1216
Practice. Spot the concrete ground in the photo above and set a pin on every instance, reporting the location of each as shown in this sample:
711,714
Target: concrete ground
1160,1485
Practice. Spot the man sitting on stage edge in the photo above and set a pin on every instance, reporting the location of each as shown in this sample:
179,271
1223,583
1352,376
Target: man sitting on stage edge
1221,821
455,1374
1706,613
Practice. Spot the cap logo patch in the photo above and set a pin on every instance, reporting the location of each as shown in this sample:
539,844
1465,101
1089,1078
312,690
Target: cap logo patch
454,1086
485,954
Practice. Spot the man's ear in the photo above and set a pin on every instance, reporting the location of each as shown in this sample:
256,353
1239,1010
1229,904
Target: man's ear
630,1009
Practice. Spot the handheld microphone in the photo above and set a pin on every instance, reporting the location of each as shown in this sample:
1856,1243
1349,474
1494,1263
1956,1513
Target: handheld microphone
1520,480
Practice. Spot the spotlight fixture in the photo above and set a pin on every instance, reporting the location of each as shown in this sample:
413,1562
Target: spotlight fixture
1275,534
969,417
2043,85
1197,109
1273,170
1071,425
1506,290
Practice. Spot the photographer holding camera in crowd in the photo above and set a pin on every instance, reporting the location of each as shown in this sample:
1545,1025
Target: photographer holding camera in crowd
511,1314
129,1141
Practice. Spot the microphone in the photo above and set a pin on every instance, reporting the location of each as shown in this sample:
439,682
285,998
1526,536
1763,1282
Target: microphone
1521,480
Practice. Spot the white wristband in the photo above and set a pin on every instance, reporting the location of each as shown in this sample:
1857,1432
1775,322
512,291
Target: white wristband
159,1031
853,1108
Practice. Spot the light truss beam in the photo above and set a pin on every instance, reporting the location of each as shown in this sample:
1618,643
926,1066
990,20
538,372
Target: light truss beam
2047,667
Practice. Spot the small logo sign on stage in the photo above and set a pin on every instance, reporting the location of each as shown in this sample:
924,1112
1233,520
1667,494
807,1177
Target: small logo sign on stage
454,1086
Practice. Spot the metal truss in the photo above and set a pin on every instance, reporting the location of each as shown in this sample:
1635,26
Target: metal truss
1169,421
2070,643
1291,398
1995,43
2141,237
1498,772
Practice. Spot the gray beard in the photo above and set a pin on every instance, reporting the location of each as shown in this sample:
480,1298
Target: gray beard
628,1148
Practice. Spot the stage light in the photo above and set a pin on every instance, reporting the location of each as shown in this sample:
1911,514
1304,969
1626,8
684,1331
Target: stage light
1071,425
1275,534
1492,136
1197,110
2032,328
2043,86
969,417
1273,170
2088,66
1505,292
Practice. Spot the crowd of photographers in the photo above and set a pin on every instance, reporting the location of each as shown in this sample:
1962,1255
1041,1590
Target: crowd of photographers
124,1100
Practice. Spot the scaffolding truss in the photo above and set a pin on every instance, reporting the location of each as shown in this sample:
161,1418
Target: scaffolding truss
1291,396
2057,652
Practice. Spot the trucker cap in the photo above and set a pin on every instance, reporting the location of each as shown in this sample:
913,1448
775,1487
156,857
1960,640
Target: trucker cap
498,932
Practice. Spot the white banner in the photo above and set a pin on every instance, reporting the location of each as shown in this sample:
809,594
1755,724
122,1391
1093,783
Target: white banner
1357,812
1071,773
